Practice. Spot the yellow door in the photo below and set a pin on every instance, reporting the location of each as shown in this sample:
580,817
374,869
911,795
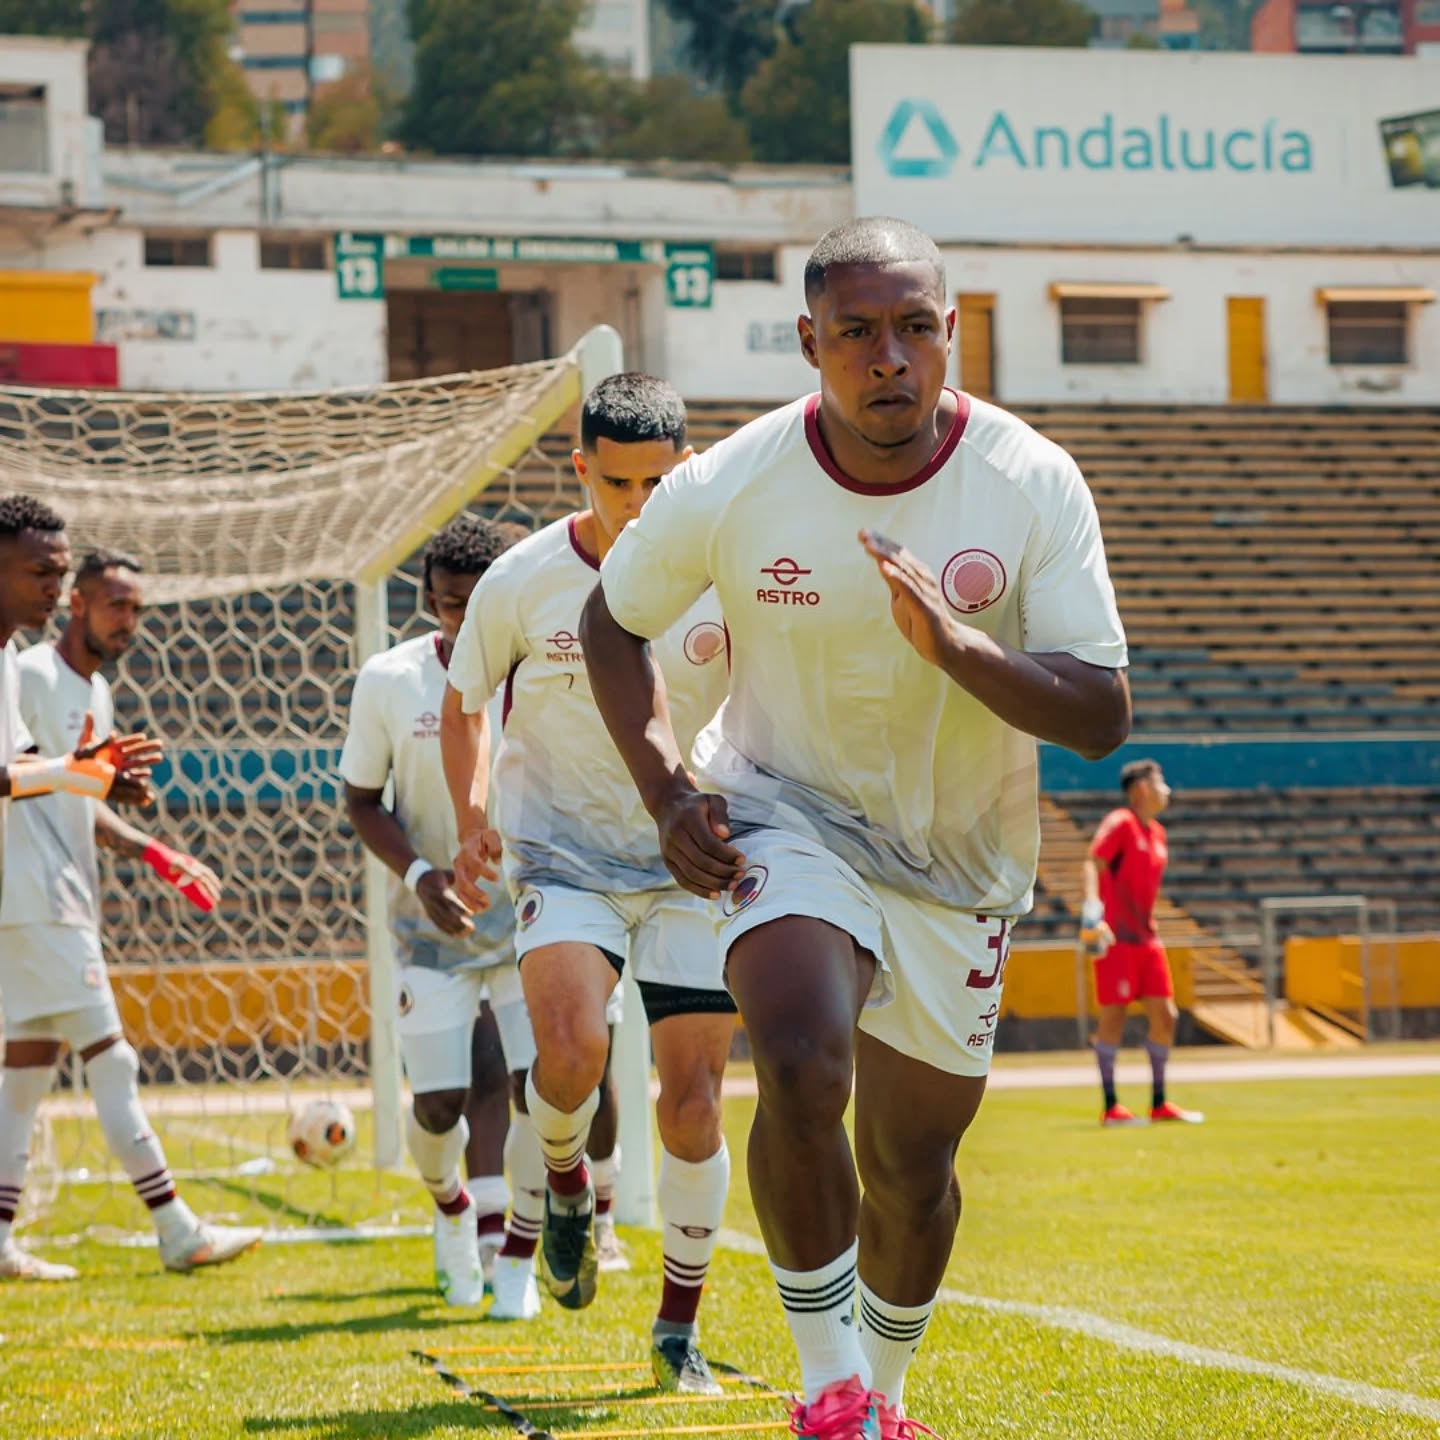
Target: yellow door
1249,384
977,345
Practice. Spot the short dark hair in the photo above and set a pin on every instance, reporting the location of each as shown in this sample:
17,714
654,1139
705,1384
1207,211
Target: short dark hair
468,545
97,562
512,532
632,407
871,240
1136,770
25,512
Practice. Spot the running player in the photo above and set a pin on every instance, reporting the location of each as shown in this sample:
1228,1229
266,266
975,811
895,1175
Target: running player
591,891
1122,876
448,954
52,974
915,586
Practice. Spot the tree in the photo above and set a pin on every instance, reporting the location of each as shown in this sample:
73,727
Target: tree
62,18
345,116
1022,22
668,120
493,77
1141,40
798,103
728,39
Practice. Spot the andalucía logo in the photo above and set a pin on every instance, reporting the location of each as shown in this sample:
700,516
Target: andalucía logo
530,908
752,882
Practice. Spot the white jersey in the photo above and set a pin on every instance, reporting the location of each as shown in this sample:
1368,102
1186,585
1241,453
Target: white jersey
52,869
564,803
395,735
14,738
835,727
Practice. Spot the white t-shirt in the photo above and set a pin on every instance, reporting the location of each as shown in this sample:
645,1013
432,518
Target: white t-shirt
52,869
14,738
564,803
394,736
835,727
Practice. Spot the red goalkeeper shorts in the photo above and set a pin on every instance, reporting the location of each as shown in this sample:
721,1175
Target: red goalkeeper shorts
1132,972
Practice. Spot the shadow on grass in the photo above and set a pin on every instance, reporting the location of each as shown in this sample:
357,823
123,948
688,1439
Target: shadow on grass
332,1297
412,1318
277,1205
408,1421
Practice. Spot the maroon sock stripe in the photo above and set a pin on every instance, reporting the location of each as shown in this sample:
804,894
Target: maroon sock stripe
569,1181
519,1247
679,1304
525,1227
458,1206
489,1225
7,1214
605,1203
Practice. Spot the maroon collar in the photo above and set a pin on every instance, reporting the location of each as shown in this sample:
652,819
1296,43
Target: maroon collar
577,547
440,650
827,461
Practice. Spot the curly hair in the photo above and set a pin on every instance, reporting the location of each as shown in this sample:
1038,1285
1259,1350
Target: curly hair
25,512
468,545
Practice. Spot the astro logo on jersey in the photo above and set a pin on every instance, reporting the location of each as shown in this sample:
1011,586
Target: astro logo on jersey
786,573
564,648
704,642
972,581
752,882
427,726
530,908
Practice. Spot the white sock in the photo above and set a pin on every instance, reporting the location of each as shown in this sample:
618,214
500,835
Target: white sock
113,1078
692,1205
820,1309
22,1088
437,1157
526,1164
890,1336
562,1136
490,1196
606,1175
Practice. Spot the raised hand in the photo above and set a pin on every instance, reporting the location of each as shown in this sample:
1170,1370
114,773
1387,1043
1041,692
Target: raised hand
916,604
477,860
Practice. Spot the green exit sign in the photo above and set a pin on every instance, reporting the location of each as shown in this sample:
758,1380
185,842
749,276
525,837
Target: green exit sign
464,277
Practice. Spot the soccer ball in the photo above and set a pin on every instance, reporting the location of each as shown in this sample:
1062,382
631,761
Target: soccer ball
322,1133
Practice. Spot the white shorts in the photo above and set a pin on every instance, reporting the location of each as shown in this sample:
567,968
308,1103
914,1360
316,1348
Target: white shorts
936,994
53,985
666,936
437,1010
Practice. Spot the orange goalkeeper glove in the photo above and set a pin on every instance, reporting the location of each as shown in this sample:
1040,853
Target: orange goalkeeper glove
91,774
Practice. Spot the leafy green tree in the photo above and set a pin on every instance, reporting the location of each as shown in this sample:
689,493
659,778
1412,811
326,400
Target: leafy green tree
798,103
493,77
1022,22
43,17
728,39
667,120
344,117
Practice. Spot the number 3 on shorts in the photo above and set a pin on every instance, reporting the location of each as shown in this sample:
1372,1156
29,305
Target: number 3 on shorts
999,942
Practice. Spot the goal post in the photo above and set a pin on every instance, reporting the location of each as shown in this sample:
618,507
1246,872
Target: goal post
278,533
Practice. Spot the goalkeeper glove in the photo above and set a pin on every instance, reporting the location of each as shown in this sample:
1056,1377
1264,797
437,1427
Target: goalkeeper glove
1092,918
170,866
91,775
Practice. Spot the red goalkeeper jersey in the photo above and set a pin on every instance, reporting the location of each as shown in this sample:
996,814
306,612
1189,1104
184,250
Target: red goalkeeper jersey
1131,857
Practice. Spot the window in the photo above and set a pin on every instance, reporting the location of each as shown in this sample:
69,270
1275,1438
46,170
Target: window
1099,332
745,265
1369,332
187,250
24,145
1427,12
287,253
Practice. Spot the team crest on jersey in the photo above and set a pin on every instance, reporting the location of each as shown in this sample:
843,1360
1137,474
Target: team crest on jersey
704,642
752,882
972,581
528,911
406,1001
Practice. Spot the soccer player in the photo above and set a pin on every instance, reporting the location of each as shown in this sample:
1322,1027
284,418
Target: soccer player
591,892
915,586
1122,876
52,975
448,953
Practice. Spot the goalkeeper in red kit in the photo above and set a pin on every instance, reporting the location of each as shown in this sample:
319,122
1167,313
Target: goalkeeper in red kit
1122,876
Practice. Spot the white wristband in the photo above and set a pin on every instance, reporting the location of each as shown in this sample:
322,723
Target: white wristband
1092,912
418,867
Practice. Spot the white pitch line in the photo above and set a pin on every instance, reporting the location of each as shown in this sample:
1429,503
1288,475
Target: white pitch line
1130,1337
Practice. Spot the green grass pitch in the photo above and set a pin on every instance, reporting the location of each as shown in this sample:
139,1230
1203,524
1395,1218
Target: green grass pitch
1299,1229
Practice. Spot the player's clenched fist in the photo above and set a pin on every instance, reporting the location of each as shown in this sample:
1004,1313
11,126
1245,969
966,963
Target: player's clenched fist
695,842
436,892
478,859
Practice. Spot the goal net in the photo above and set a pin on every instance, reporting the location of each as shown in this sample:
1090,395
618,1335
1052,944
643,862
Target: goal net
279,535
